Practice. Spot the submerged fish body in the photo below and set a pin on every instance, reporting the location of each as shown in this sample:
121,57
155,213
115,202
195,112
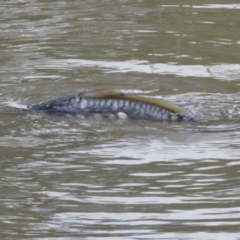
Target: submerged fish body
108,102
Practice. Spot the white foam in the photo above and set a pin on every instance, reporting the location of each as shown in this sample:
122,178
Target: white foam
122,115
17,105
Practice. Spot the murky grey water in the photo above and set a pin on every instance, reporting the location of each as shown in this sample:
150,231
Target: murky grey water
68,178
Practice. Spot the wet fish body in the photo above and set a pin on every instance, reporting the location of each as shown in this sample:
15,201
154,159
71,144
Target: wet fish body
108,103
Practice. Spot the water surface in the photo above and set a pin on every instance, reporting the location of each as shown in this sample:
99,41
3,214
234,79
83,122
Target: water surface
70,178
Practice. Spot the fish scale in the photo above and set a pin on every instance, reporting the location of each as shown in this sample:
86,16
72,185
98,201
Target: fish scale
108,102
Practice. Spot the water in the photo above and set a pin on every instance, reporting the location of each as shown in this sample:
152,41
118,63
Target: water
68,178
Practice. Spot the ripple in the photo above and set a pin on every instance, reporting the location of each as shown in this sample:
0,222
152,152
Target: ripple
221,71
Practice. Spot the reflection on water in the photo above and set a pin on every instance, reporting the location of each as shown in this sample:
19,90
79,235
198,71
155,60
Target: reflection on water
70,178
220,71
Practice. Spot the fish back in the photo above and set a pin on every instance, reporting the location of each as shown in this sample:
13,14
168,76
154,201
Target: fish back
108,102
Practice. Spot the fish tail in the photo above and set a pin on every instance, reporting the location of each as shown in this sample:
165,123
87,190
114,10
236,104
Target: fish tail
186,118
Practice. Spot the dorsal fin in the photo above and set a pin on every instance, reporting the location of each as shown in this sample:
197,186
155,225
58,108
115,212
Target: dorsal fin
104,93
108,93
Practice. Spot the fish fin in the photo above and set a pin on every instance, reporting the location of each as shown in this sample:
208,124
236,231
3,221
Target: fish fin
103,93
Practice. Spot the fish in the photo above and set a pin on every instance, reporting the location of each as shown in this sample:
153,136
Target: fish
107,102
